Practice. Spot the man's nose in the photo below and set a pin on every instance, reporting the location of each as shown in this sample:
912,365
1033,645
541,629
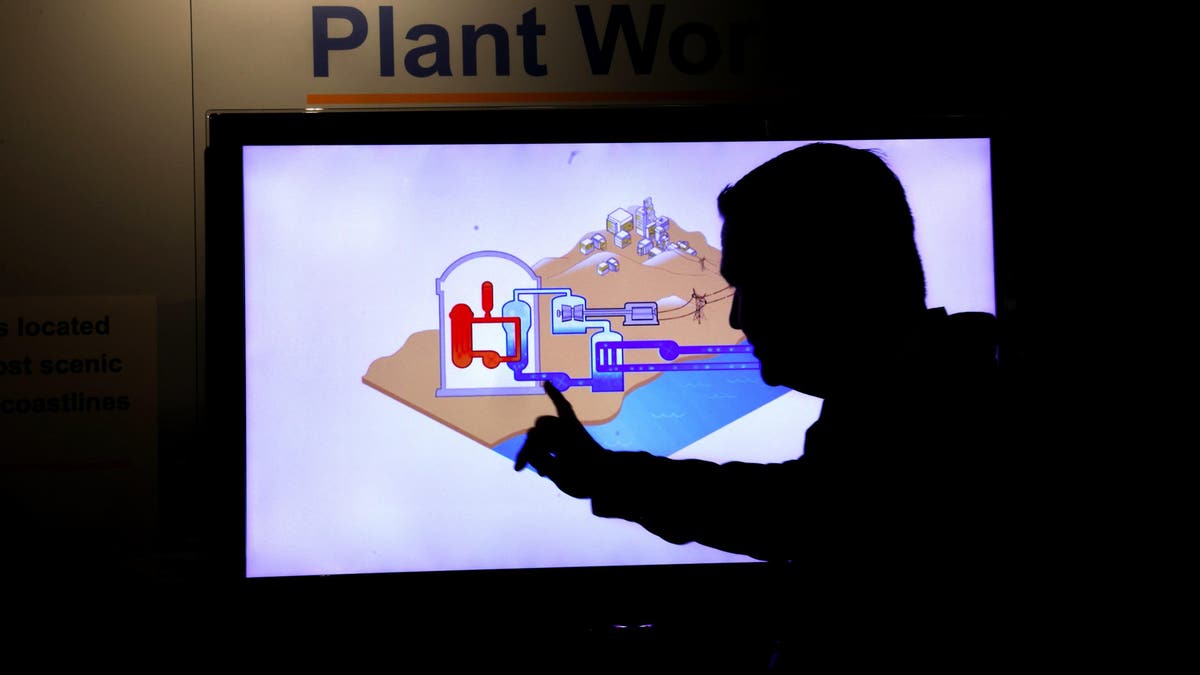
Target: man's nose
735,311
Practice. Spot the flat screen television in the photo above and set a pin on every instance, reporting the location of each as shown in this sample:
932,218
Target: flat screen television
387,290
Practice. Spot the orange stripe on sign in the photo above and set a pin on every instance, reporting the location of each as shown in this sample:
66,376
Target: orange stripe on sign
530,97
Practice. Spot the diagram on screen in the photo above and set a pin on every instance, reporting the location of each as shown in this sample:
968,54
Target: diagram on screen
634,314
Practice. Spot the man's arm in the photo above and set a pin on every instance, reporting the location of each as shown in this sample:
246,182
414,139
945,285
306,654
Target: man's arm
751,509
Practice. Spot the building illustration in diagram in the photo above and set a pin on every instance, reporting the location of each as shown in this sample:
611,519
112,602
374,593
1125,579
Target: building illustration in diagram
630,301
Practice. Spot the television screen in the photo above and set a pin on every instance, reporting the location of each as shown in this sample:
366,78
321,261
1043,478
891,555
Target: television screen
400,285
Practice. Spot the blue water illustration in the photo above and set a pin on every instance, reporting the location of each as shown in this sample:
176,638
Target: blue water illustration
676,409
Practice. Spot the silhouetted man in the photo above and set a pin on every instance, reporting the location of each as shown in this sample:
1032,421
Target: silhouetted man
889,521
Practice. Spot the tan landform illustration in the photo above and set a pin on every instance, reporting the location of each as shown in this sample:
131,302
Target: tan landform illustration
412,374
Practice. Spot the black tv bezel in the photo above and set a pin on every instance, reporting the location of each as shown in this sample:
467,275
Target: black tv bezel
606,596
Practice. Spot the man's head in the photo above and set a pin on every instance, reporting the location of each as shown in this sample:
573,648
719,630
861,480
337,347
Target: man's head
818,243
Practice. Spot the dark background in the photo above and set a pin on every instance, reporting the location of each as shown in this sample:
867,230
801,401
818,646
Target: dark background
1030,73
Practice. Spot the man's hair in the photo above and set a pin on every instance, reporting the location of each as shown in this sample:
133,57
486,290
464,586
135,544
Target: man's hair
824,214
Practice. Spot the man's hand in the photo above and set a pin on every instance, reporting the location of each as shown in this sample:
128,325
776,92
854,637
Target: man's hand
560,449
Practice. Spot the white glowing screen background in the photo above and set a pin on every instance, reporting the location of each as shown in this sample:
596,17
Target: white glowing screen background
343,244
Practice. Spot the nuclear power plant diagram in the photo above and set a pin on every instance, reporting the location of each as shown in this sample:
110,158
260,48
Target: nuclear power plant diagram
497,320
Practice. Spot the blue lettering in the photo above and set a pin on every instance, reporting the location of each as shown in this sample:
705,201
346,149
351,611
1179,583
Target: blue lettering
471,35
694,48
387,42
529,30
620,20
440,49
323,44
712,48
